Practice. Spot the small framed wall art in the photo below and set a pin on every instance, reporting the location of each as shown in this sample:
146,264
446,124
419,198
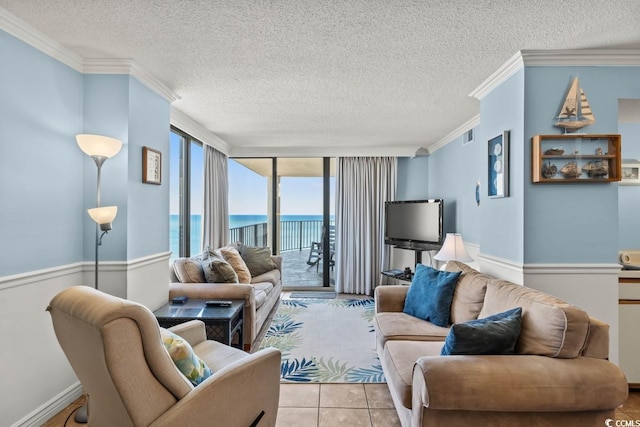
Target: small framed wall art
498,165
630,172
151,166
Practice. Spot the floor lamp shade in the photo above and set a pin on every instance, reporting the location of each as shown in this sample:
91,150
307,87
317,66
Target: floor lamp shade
453,249
103,216
98,145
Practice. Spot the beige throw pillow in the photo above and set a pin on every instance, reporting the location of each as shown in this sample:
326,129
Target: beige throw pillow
232,256
189,270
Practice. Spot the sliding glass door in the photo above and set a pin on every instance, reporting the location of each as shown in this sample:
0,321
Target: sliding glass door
287,204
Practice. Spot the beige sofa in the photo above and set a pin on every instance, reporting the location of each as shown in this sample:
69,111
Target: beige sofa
559,375
260,296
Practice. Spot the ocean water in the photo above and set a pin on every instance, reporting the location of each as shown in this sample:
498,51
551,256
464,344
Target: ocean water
235,221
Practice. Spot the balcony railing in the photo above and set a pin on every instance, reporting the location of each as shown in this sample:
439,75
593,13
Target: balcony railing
294,235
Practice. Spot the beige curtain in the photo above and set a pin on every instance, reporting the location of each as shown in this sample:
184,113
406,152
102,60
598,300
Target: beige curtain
363,184
215,225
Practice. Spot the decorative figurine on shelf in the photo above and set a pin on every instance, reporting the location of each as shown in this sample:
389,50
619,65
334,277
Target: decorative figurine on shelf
555,151
575,112
549,170
598,151
571,170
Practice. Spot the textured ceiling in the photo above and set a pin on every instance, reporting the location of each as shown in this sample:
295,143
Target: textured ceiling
336,73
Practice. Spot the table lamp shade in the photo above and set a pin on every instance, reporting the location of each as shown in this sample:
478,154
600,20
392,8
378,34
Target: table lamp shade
453,249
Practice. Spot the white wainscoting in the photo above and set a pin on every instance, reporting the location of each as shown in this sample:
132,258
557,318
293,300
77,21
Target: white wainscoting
37,380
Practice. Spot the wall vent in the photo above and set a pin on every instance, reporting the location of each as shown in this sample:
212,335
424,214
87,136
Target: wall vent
467,138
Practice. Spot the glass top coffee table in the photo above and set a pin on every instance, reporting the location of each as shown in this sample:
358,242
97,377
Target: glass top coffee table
221,323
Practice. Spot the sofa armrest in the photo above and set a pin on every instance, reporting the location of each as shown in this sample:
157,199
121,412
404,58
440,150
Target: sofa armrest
232,396
390,298
277,260
516,383
193,331
214,291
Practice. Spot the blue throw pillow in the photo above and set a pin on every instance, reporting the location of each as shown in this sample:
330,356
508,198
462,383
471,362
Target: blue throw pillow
497,334
430,294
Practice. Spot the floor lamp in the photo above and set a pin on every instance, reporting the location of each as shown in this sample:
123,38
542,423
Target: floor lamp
99,148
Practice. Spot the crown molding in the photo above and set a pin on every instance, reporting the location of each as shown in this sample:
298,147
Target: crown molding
324,151
508,69
457,132
132,68
196,130
26,33
557,58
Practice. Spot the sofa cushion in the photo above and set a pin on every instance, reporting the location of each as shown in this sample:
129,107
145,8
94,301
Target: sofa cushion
402,326
497,334
430,294
272,277
189,270
262,291
233,257
468,297
184,357
218,270
550,326
257,259
398,360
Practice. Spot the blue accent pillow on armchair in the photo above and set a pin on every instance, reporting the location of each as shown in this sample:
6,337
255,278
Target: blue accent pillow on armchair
497,334
430,294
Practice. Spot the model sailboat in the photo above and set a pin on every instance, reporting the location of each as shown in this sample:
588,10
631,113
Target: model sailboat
575,112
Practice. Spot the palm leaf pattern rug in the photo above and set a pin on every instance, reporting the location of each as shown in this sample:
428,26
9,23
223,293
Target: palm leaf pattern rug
325,341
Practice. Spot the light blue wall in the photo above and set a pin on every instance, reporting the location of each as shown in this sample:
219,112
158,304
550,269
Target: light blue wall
412,182
47,183
629,195
573,223
454,171
501,232
40,164
148,204
106,112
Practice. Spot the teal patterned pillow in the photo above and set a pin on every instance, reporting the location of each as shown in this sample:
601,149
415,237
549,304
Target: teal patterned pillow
185,359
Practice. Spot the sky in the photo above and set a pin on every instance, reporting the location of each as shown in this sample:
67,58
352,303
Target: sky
247,190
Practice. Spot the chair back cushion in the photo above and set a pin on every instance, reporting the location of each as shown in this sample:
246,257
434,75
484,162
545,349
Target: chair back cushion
115,349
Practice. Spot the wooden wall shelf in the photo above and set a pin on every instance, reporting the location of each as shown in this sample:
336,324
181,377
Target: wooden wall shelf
576,158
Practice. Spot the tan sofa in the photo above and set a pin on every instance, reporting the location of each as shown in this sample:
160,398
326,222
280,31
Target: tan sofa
559,375
260,296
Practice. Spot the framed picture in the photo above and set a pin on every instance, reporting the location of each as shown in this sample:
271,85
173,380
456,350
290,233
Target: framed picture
630,172
151,166
498,165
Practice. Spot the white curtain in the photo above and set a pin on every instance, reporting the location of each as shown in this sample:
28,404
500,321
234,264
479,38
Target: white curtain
363,184
215,226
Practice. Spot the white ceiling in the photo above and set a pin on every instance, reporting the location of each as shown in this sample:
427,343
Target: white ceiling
330,73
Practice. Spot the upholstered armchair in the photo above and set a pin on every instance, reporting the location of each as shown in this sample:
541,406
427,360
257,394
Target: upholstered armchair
116,350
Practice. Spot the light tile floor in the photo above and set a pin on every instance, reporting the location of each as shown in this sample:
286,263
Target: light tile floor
330,405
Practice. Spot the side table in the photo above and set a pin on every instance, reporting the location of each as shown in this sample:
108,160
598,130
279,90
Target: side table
221,323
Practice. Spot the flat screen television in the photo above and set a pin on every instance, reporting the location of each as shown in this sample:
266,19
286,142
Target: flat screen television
414,224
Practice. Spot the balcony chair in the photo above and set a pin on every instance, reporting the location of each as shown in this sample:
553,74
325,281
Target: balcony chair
315,252
115,349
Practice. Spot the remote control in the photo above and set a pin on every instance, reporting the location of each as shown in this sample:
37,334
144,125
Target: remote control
218,303
179,300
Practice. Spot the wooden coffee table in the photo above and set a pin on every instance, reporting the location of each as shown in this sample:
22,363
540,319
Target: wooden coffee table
221,323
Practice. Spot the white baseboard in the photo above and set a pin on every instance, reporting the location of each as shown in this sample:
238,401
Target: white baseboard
52,407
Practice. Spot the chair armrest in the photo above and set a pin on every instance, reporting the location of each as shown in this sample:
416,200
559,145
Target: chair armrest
519,383
215,291
390,298
233,396
277,260
193,331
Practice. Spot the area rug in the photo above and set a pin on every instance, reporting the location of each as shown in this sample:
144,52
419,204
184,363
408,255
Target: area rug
311,294
325,341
